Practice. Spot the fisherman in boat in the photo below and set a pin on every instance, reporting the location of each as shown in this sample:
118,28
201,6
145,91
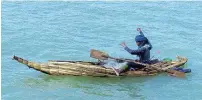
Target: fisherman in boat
143,52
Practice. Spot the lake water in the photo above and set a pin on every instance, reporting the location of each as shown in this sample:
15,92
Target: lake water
41,31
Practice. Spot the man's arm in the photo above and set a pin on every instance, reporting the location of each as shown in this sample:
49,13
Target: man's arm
139,30
141,33
135,52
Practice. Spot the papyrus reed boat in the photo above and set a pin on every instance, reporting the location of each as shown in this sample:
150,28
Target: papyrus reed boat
82,68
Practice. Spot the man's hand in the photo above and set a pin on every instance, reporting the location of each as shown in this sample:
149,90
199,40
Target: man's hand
123,44
139,29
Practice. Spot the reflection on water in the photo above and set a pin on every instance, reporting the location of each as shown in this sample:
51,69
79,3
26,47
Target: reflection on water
100,86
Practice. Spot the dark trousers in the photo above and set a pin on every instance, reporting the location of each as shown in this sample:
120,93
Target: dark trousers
132,65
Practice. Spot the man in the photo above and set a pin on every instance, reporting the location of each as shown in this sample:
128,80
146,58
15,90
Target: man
143,52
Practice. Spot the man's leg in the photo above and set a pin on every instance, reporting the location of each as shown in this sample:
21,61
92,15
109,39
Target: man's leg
134,65
126,67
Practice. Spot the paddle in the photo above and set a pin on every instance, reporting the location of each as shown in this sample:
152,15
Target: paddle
103,56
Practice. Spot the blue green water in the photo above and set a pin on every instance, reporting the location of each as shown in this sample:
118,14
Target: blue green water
41,31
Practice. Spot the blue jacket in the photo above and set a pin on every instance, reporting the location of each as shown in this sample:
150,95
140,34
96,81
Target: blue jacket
143,51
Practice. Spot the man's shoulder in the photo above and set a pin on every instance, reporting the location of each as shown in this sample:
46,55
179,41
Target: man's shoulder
146,46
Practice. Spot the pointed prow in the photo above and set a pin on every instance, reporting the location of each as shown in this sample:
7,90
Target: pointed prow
23,61
34,65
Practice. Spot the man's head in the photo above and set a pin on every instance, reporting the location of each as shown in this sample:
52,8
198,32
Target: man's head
140,39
